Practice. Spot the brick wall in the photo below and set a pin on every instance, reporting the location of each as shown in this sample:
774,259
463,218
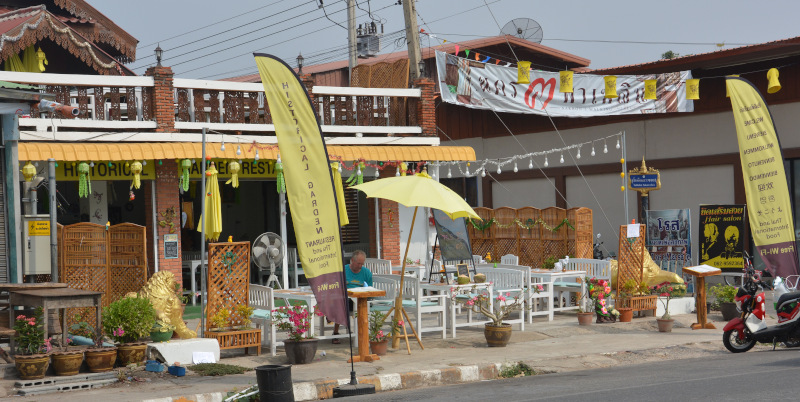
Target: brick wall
390,232
163,99
426,107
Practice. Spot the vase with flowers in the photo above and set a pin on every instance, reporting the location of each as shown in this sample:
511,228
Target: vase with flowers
32,358
378,338
301,346
496,309
666,291
127,321
599,291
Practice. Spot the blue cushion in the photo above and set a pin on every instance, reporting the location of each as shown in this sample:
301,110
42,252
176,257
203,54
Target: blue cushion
84,341
260,314
567,284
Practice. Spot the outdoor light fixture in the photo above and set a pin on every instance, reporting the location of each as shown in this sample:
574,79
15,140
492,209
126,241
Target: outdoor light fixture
238,150
515,167
300,63
449,173
498,169
617,143
159,53
605,148
545,161
530,164
421,68
483,172
579,152
562,158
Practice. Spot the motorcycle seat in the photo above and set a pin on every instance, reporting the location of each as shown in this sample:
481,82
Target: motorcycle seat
787,297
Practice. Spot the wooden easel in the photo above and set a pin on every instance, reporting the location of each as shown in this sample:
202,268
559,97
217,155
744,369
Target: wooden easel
398,302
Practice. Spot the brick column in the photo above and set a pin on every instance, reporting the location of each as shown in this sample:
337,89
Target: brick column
166,197
163,100
390,232
426,107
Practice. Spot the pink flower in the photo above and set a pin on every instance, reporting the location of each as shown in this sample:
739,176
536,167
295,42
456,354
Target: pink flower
607,290
400,322
21,317
540,287
604,310
603,302
470,303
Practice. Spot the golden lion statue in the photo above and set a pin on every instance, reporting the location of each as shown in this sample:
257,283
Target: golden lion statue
160,290
652,274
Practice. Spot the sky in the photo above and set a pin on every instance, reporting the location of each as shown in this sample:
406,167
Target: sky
214,40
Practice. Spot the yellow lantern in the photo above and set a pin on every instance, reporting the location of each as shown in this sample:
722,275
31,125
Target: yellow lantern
693,89
728,95
611,86
650,89
29,171
774,84
565,81
523,72
136,169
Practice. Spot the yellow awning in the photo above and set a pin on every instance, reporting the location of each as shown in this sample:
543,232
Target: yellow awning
125,151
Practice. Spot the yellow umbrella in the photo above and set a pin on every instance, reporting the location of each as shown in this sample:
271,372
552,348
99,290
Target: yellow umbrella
416,191
212,216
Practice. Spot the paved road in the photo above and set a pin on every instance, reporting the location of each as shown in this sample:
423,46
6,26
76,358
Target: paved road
725,378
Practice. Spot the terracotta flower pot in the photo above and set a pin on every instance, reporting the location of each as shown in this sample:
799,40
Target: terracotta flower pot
625,314
729,310
67,363
129,353
665,325
300,352
585,318
497,336
101,360
379,348
32,367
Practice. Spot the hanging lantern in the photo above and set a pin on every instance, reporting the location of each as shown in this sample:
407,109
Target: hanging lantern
136,169
727,94
403,168
565,81
523,72
281,182
693,89
611,86
29,171
650,89
774,84
356,177
234,167
184,180
84,181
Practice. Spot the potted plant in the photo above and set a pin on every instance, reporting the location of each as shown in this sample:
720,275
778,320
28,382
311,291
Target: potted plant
126,321
161,331
666,291
378,338
586,309
724,300
67,362
497,333
301,346
32,357
598,291
624,293
245,312
220,319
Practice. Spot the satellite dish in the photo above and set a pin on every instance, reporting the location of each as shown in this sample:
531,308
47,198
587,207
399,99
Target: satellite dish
267,253
523,28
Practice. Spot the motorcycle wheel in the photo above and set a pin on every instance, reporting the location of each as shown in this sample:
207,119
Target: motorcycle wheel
735,345
792,343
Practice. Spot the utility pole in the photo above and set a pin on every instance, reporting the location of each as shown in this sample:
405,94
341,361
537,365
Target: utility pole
351,38
412,37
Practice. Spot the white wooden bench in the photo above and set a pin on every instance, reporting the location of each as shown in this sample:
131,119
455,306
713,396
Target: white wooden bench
414,302
537,303
507,281
262,300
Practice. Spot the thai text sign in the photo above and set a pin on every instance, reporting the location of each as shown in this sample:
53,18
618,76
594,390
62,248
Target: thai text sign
669,235
721,231
648,181
492,87
768,199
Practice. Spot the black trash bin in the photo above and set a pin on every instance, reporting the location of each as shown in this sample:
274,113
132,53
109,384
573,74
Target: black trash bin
275,383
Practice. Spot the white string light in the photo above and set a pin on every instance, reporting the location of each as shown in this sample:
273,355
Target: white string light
144,163
222,146
483,172
562,158
91,164
530,164
592,148
617,143
498,169
605,147
397,173
449,173
515,167
545,161
238,150
256,158
579,152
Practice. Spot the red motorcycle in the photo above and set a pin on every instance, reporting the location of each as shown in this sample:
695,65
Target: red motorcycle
742,333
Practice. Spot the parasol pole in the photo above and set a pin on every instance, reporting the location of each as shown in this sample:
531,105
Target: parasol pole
398,302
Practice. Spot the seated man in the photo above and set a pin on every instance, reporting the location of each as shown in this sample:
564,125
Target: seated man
355,276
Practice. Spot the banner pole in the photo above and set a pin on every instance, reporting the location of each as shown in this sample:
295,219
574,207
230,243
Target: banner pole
624,168
203,258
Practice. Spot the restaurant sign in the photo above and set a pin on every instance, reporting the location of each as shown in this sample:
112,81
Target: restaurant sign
120,170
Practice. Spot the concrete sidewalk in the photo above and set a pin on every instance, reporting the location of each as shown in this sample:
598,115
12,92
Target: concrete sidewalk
557,346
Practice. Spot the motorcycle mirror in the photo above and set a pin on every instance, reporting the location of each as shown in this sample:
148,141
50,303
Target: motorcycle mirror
598,236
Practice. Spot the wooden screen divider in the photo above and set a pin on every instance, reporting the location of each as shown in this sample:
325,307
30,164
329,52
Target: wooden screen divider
521,232
630,266
228,279
112,261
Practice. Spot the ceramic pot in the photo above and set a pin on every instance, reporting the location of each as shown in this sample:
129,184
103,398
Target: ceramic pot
67,363
585,318
129,353
665,325
625,314
32,367
100,360
497,336
156,336
729,311
379,348
300,352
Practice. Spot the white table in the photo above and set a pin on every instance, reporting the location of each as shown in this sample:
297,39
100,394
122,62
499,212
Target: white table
551,276
192,265
460,289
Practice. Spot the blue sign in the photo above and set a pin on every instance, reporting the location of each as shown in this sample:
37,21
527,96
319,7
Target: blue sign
644,181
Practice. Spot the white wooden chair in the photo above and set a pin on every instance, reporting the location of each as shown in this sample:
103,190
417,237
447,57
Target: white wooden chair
509,259
508,281
538,303
378,266
416,304
600,269
476,259
390,285
262,300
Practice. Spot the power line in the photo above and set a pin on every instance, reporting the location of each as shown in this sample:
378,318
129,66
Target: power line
209,25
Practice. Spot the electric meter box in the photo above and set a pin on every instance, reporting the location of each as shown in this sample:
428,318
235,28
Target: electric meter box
36,237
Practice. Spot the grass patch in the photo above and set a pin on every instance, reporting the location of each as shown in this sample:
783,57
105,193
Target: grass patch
192,312
217,369
518,369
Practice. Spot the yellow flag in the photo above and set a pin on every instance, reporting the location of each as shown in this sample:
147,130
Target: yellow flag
650,89
309,185
768,200
523,72
693,89
565,81
337,184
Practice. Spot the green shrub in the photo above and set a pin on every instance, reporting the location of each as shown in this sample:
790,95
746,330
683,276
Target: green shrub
518,369
722,294
128,319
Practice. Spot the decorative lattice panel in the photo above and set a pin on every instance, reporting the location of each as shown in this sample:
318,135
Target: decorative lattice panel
228,279
530,252
127,260
630,264
84,251
582,242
